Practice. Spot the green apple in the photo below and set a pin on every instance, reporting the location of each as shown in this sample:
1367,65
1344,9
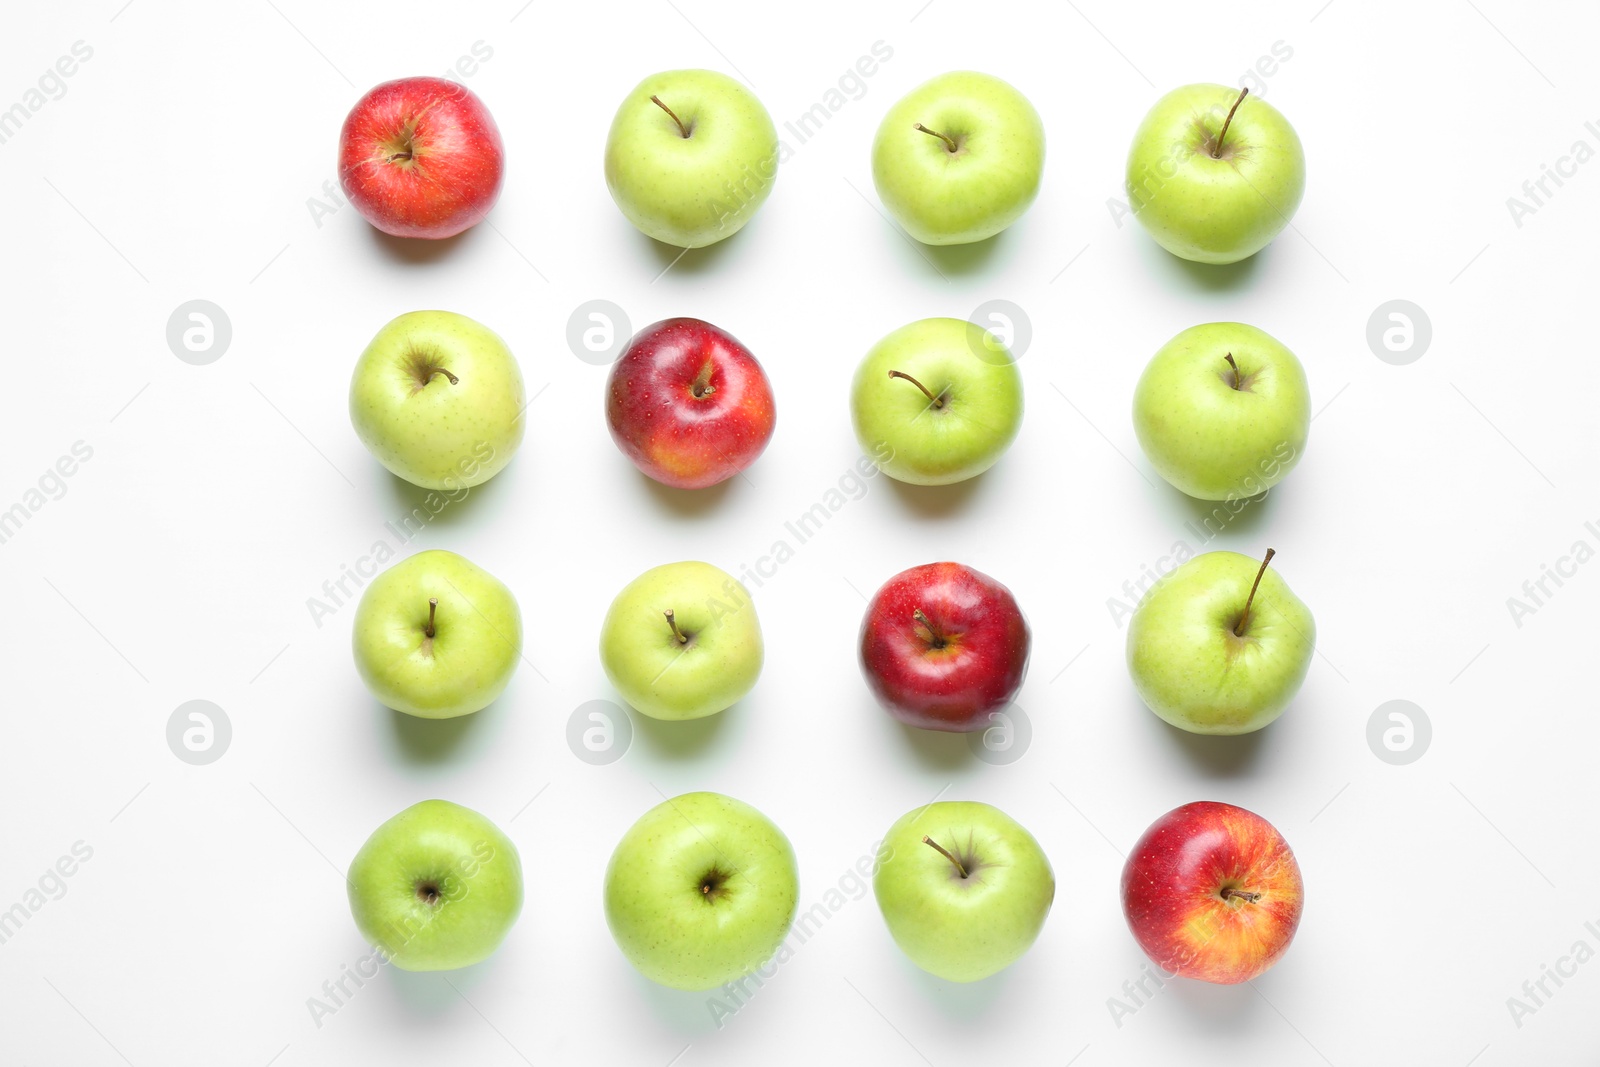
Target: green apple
436,887
1209,188
438,399
937,401
1220,645
959,158
436,636
1223,411
691,157
682,641
701,891
964,890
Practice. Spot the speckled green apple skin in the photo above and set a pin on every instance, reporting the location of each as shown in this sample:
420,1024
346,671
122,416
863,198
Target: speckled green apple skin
963,929
921,444
668,927
952,198
1214,210
476,643
1189,666
1209,439
697,190
420,425
472,868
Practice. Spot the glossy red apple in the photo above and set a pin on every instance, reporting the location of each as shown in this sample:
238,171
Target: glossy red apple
421,157
1212,892
689,404
943,646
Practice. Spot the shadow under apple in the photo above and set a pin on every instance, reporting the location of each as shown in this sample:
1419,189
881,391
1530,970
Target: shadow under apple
1207,277
685,1011
1225,1011
416,508
419,250
428,994
670,259
938,750
1241,517
429,742
962,1001
1217,756
685,740
686,503
963,260
937,501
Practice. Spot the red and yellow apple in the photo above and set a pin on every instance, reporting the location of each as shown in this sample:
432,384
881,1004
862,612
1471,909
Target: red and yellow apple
421,157
943,646
1213,892
689,404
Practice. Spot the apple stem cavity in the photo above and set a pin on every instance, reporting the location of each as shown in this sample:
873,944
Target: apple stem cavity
1244,620
656,100
949,142
1238,379
941,850
1229,893
672,621
936,401
433,606
1216,147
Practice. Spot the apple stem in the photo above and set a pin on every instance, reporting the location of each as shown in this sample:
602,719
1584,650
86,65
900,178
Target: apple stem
949,143
1228,893
1216,148
927,632
440,370
672,621
941,850
399,157
656,100
936,401
702,386
1238,630
1237,378
433,606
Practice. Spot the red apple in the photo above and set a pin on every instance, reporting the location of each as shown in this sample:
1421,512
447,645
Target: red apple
943,646
1212,892
689,404
421,157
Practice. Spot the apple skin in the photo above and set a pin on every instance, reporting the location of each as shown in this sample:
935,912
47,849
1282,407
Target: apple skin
968,661
1209,439
697,190
955,198
1193,671
454,170
701,891
689,404
476,643
1172,893
923,444
963,929
1214,210
423,427
663,677
436,887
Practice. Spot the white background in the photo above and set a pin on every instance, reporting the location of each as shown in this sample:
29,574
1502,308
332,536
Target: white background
177,565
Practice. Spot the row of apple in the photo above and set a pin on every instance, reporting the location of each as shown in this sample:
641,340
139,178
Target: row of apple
1213,174
703,889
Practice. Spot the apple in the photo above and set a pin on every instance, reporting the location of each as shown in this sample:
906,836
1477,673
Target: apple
682,641
1213,892
959,158
689,404
421,157
937,401
437,398
1223,411
964,889
1215,174
943,647
701,891
1220,645
436,887
691,157
436,636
